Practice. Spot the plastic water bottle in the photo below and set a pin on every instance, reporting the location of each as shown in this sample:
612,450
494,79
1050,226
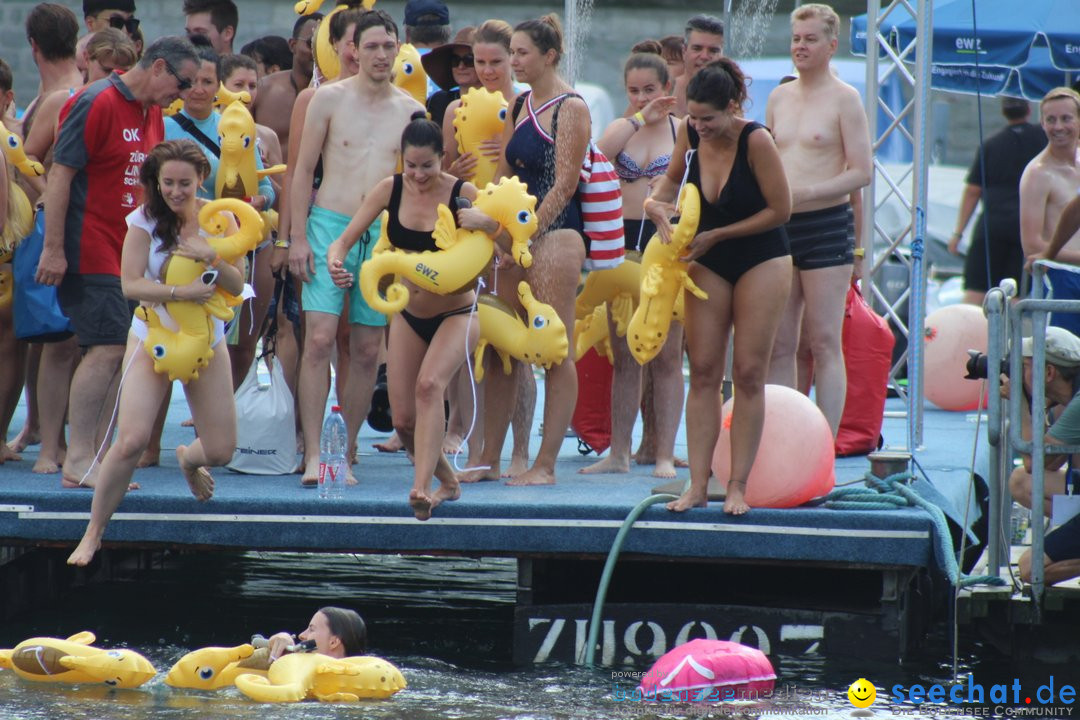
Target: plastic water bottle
1021,520
332,462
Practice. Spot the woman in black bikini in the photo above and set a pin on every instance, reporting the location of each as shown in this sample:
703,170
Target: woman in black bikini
428,341
740,258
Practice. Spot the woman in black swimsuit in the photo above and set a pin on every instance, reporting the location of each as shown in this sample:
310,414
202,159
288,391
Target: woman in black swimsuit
427,342
740,258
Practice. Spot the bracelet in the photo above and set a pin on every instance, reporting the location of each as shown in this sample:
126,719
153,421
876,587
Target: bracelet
860,252
172,292
640,118
498,231
634,122
281,243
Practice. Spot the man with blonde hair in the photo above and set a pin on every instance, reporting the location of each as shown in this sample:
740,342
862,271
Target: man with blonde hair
1049,182
824,142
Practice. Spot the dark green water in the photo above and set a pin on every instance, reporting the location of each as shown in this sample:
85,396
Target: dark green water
445,622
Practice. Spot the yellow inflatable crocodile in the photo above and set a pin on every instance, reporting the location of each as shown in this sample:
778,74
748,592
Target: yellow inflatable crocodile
663,280
180,354
302,676
409,74
462,255
540,339
237,174
75,660
480,116
13,150
211,668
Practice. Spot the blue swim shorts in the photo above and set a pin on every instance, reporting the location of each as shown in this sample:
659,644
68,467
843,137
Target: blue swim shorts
320,292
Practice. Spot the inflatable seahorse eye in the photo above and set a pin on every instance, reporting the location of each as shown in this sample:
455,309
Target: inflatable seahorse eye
409,74
462,255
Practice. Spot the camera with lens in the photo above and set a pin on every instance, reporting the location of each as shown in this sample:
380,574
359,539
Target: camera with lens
977,366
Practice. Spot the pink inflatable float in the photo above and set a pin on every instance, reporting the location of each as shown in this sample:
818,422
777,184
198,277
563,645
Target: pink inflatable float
795,459
709,670
949,333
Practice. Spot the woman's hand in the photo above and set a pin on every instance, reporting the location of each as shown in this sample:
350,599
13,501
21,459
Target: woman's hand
464,166
195,291
701,244
195,247
335,263
658,109
471,218
491,148
277,644
279,258
660,212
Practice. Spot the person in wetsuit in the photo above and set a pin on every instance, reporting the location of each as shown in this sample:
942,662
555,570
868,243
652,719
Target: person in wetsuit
740,257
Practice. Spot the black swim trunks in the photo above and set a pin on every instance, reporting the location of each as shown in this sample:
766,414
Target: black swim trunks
822,238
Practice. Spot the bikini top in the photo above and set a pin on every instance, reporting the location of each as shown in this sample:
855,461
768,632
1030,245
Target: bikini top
407,238
627,168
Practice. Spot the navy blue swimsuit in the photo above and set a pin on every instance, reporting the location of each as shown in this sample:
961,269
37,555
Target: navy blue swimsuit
531,155
739,199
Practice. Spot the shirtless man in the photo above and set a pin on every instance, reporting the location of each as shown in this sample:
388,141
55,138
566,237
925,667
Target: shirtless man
704,43
821,132
216,19
355,125
52,31
278,91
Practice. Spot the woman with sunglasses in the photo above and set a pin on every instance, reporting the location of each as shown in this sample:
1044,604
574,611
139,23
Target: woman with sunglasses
450,66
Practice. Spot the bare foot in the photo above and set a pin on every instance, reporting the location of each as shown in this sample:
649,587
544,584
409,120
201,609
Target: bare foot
735,504
664,469
90,484
421,504
6,453
310,477
694,497
485,474
643,458
447,492
350,479
187,423
392,445
26,437
149,458
610,464
518,465
45,466
533,476
451,443
679,462
84,553
198,478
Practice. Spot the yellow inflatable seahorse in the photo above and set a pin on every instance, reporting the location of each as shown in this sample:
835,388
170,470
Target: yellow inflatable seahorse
663,279
617,286
325,56
20,221
211,668
409,74
462,255
75,660
592,331
176,106
540,339
238,175
180,354
13,150
302,676
226,97
480,116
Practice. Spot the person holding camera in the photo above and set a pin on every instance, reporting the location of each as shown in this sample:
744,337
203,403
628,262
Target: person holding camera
1062,547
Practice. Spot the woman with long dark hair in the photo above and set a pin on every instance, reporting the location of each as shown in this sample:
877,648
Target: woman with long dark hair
166,224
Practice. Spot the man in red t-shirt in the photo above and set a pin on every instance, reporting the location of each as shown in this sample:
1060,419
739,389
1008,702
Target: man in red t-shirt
104,135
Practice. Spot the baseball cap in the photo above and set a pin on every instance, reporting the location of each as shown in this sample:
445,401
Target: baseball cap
416,9
1062,347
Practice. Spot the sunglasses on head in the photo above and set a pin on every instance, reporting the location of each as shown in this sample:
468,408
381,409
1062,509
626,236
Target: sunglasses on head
122,23
466,60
